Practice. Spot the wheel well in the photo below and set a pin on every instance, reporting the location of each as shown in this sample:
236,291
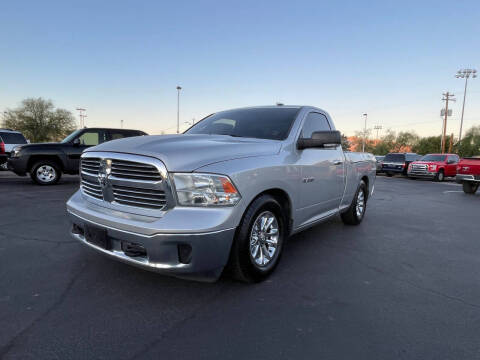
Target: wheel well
365,180
33,159
282,197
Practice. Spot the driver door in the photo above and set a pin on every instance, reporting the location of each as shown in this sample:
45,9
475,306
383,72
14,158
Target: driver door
88,138
322,173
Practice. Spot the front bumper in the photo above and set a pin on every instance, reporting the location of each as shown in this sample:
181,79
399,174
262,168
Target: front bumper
199,254
421,174
18,165
464,177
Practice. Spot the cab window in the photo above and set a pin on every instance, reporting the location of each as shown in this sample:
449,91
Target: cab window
314,122
92,137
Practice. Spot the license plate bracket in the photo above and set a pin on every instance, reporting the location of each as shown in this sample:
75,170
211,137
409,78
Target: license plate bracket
97,236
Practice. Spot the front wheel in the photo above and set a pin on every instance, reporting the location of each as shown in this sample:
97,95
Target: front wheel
45,172
355,213
469,187
440,176
259,240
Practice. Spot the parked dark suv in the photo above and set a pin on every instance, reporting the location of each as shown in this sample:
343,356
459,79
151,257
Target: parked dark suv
45,162
397,163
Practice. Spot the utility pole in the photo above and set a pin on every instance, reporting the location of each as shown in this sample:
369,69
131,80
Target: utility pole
178,108
82,116
364,133
446,97
377,127
464,74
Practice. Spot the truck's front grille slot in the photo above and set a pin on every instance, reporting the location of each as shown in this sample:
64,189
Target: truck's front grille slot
137,171
92,188
419,169
140,197
90,165
125,181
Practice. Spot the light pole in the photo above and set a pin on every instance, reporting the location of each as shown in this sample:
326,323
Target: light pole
464,74
121,124
178,108
377,127
364,133
82,116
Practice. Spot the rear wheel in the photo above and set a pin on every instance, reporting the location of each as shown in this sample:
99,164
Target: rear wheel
470,187
355,213
45,172
258,243
440,176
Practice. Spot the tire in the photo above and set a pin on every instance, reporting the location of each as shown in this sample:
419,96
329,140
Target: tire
356,212
45,172
247,249
469,187
389,174
440,176
412,177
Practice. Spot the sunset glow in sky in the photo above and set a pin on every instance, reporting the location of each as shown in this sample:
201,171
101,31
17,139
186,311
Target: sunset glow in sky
123,59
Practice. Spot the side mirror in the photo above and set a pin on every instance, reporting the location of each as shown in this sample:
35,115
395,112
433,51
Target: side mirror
320,139
76,142
451,162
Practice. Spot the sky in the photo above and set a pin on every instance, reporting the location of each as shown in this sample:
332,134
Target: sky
122,60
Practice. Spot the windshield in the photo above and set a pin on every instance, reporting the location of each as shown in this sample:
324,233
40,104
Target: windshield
431,157
70,137
394,158
261,123
13,138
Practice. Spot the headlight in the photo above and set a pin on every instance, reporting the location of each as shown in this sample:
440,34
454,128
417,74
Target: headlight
16,151
205,190
432,167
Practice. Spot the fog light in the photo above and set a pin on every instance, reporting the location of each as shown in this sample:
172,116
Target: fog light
184,253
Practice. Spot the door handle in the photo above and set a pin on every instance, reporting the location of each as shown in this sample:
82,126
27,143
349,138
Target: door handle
337,162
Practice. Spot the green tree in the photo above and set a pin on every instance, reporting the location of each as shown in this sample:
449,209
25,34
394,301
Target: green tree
428,145
39,121
470,144
345,143
405,141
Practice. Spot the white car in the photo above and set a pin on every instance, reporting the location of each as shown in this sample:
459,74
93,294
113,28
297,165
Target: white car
9,139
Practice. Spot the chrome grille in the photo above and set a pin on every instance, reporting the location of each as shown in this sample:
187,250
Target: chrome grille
133,170
419,169
126,182
92,188
90,165
139,197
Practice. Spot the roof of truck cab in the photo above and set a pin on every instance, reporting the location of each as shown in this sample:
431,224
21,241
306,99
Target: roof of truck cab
275,107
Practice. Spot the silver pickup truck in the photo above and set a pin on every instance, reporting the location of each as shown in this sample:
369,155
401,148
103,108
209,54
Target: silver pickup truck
229,191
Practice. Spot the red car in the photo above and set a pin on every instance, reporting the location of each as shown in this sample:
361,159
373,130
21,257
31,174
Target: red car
434,166
468,174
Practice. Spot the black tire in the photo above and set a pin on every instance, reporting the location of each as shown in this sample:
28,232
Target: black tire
440,176
351,216
242,265
469,187
389,174
51,167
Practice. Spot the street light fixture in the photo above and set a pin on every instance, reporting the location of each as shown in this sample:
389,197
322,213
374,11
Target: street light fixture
464,74
178,108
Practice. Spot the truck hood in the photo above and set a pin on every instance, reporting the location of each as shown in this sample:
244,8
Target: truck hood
40,145
190,152
429,162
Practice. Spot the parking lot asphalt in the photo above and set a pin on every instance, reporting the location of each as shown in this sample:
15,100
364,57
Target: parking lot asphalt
402,285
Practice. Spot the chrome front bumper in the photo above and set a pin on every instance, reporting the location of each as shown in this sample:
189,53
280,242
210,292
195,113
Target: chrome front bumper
207,250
